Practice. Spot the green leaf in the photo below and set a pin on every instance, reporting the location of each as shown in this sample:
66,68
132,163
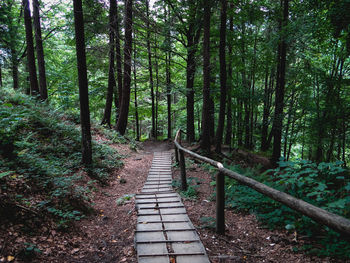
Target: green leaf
4,174
347,187
290,226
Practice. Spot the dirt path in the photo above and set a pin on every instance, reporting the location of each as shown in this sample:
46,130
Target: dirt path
108,236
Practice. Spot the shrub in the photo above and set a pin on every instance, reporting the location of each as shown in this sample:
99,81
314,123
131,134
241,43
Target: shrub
326,185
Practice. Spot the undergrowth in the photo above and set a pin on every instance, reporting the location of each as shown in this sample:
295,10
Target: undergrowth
192,187
326,185
40,161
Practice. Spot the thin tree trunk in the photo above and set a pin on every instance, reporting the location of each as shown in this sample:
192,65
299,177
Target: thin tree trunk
39,51
205,142
119,91
266,113
292,140
190,72
252,105
168,77
111,77
331,145
150,69
124,107
83,82
157,89
198,119
239,123
168,92
279,100
135,98
14,67
34,87
246,96
228,138
223,76
289,121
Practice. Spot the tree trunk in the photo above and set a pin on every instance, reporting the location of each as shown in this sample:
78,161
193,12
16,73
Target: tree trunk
150,69
239,123
34,88
124,106
279,99
83,82
14,67
135,97
228,138
119,91
190,72
39,51
266,113
344,140
111,77
223,76
168,92
168,75
289,122
157,89
205,142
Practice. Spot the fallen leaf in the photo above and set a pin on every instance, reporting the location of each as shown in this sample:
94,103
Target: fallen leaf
10,258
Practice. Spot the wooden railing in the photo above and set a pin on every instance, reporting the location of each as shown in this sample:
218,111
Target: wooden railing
336,222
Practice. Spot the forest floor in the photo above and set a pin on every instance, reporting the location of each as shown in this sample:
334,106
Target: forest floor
108,235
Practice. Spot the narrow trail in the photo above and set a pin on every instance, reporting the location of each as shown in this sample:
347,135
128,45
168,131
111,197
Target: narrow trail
164,232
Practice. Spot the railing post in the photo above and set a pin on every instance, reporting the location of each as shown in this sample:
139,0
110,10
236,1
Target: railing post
176,155
220,203
183,171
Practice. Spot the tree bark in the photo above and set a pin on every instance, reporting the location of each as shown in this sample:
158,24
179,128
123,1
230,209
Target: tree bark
150,69
223,76
39,51
135,97
190,72
34,87
119,91
111,76
157,88
205,142
239,122
168,75
83,82
279,99
266,113
124,107
228,137
168,92
14,66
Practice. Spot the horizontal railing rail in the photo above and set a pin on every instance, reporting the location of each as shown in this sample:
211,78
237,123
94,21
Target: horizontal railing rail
336,222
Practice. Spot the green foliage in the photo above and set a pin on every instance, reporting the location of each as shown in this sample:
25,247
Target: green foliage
122,200
208,222
41,149
192,189
325,185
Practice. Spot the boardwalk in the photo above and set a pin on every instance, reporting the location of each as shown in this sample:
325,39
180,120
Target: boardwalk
164,232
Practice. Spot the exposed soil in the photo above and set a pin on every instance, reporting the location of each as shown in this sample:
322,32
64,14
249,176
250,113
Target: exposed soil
108,235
